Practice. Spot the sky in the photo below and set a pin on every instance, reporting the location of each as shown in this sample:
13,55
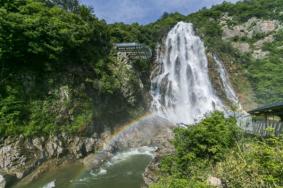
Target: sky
144,11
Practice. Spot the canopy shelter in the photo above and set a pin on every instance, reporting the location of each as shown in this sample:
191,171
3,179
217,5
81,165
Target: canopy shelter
268,116
134,51
271,109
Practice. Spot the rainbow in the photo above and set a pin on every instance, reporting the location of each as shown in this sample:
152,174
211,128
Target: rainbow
122,130
118,133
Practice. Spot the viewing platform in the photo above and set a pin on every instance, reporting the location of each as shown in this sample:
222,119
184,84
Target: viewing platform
263,118
134,51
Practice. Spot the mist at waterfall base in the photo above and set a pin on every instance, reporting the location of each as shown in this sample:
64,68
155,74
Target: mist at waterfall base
181,93
130,151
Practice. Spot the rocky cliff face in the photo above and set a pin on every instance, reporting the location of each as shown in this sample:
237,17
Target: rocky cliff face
256,47
255,41
74,101
251,36
165,148
19,156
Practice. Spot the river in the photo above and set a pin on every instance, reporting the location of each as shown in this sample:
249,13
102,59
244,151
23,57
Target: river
124,170
182,93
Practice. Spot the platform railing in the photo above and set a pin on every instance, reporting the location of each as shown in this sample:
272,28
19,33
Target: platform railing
260,127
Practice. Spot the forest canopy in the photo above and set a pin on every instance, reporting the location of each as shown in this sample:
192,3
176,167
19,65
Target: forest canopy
47,45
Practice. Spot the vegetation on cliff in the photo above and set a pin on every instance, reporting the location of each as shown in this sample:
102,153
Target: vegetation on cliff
251,82
57,70
215,147
211,23
59,73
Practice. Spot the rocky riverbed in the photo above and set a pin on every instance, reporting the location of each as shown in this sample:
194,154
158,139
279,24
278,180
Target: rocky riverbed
164,147
20,156
31,157
151,131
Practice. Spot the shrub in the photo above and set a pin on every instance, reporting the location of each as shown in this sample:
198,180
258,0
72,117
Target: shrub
199,147
209,139
255,163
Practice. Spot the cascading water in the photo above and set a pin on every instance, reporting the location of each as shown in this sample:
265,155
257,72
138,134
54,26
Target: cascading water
181,89
227,86
182,93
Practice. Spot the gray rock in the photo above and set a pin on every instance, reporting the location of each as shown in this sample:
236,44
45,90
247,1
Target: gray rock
131,85
237,31
9,140
38,143
90,144
164,148
64,94
9,156
28,144
50,148
259,54
78,148
250,28
20,156
65,137
243,47
104,137
259,44
54,147
266,26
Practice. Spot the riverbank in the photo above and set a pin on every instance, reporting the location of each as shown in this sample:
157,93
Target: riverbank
21,156
216,153
165,147
124,169
24,156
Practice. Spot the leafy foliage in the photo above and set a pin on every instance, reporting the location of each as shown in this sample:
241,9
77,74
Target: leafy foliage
255,163
209,149
198,148
47,52
170,182
267,77
209,139
36,34
43,42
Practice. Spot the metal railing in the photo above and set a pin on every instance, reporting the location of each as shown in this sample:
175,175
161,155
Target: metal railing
261,128
134,50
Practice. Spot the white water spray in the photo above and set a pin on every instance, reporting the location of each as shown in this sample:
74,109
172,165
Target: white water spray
181,89
227,86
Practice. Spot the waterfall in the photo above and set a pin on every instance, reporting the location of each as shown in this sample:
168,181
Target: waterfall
227,87
180,86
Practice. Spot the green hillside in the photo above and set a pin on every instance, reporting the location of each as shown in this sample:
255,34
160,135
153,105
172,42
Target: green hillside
57,62
256,79
58,71
65,93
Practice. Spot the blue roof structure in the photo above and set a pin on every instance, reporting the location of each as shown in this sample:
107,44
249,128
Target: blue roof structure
134,50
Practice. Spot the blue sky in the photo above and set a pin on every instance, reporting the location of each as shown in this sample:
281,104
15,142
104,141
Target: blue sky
144,11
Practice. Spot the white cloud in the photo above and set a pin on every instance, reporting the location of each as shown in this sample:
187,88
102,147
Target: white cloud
144,11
